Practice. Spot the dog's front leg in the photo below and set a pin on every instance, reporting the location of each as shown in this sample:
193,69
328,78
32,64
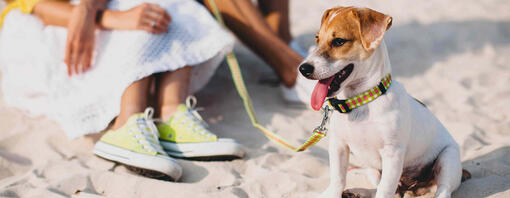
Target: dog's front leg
392,165
338,162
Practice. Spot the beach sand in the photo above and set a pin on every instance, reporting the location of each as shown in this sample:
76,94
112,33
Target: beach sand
453,55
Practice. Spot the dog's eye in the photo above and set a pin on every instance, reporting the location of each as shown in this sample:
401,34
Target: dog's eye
337,42
316,39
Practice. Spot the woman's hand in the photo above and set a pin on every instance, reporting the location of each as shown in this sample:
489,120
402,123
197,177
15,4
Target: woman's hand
80,39
147,16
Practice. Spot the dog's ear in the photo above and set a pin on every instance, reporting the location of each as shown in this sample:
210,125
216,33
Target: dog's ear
372,26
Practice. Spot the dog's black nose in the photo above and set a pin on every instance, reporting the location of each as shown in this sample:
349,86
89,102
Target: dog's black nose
306,69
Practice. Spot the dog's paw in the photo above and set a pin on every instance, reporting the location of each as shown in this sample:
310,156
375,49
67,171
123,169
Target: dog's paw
358,193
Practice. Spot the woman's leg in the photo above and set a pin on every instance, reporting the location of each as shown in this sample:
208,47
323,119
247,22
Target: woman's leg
173,90
130,144
134,100
183,133
246,21
276,14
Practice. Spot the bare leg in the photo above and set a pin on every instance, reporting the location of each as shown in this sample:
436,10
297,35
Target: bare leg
276,14
246,21
173,90
134,100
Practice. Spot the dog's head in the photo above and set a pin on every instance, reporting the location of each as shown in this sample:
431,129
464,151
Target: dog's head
348,36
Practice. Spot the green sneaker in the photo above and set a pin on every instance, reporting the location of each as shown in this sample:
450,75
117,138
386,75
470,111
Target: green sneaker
136,144
185,135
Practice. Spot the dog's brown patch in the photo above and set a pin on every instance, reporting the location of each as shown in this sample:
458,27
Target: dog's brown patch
350,195
339,23
418,179
362,28
358,193
372,26
465,175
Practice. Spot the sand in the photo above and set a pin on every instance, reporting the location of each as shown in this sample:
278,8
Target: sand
453,55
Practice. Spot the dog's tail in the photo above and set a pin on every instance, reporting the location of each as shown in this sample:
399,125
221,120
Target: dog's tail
465,175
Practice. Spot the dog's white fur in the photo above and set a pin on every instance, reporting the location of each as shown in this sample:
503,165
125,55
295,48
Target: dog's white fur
388,134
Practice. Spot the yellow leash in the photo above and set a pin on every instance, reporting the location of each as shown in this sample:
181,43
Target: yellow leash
237,77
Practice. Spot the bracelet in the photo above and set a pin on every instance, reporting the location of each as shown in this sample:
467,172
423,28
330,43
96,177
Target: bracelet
99,16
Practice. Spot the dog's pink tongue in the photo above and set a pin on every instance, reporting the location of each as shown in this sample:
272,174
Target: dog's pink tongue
320,92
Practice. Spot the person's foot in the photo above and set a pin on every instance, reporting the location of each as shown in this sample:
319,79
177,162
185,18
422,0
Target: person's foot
136,144
185,135
300,93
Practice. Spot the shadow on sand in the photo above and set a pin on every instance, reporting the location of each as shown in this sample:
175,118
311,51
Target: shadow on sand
490,174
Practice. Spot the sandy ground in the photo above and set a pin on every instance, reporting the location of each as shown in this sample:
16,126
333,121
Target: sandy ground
453,55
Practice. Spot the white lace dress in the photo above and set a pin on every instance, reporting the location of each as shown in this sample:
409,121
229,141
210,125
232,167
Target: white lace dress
34,77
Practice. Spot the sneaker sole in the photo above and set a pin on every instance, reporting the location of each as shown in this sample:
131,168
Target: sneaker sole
223,148
158,163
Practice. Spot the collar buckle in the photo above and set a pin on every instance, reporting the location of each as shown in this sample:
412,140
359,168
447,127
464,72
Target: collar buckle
382,88
339,105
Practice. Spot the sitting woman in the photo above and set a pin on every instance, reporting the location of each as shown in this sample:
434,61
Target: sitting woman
77,64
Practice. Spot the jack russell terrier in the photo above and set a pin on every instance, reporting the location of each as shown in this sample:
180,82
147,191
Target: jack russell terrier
401,143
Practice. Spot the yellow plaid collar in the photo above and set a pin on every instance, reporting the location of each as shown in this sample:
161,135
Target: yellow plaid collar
346,106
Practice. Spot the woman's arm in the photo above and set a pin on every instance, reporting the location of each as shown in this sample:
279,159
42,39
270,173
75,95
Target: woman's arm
53,12
81,22
58,13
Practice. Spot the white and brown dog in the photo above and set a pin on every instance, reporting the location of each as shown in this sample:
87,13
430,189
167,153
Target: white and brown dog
401,143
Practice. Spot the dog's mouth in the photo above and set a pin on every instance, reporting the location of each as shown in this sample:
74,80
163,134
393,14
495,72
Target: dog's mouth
339,78
326,87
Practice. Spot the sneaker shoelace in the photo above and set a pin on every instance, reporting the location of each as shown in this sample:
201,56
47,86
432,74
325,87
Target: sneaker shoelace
192,119
147,134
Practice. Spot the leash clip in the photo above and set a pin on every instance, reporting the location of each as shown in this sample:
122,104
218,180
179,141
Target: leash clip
321,129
